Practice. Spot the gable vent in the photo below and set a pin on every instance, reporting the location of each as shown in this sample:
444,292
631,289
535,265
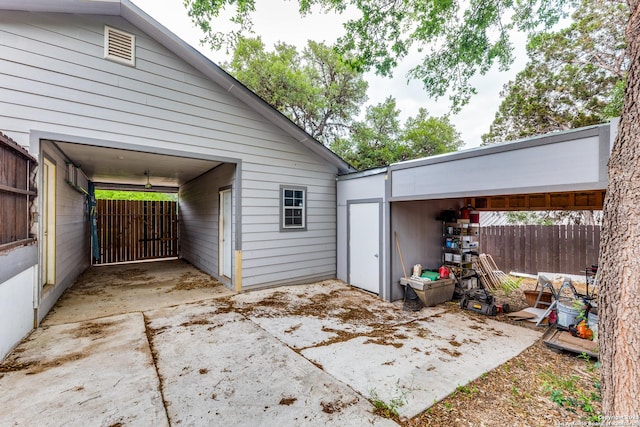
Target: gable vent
119,46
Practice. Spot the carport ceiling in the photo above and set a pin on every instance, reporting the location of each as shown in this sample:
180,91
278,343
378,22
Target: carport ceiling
104,165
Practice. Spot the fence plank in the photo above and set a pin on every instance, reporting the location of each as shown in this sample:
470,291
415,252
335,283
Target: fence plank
131,230
533,248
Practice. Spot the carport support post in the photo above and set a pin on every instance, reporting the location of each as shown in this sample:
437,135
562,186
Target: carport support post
237,277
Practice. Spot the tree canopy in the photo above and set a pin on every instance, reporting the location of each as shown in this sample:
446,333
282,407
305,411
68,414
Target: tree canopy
456,38
316,89
323,94
575,76
380,139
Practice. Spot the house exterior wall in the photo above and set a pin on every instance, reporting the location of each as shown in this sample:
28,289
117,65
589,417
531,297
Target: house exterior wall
55,81
198,211
350,190
73,240
18,272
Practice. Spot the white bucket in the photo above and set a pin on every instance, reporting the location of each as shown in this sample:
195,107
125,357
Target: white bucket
567,314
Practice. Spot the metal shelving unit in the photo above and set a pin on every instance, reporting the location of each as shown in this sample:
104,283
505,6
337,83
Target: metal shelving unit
460,246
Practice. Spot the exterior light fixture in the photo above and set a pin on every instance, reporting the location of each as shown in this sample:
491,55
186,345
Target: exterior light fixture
148,184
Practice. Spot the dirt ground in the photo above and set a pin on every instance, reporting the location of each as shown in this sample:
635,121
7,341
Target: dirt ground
537,388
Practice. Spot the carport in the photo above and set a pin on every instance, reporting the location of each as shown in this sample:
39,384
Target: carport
163,235
132,231
379,209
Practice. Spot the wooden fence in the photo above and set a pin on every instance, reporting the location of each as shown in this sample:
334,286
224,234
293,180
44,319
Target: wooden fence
133,230
17,191
533,248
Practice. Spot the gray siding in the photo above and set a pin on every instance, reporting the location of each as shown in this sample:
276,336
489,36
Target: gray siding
199,212
55,80
566,161
72,234
351,190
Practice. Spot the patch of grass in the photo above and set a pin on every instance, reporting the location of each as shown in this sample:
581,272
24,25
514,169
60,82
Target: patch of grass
568,394
387,409
466,389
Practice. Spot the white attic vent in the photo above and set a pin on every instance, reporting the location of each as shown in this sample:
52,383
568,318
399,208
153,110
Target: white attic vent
119,46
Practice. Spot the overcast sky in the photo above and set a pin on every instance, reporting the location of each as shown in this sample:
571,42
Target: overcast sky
278,20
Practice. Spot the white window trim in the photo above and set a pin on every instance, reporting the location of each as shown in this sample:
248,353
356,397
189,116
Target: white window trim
283,208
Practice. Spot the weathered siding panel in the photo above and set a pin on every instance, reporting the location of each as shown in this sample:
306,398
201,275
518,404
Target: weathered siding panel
72,234
199,212
55,63
16,307
349,189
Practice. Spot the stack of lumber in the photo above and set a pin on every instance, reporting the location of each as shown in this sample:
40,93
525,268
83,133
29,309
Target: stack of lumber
492,277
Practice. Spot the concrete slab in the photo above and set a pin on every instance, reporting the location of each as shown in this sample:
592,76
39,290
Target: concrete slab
425,362
114,289
218,368
97,373
381,351
303,355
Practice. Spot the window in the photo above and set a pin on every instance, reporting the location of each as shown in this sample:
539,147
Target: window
17,192
293,215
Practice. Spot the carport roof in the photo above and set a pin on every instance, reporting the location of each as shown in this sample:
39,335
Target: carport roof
179,47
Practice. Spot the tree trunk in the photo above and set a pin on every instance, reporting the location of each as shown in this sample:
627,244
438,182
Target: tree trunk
619,300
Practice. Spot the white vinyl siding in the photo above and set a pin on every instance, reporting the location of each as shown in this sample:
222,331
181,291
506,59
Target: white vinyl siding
56,80
199,210
72,233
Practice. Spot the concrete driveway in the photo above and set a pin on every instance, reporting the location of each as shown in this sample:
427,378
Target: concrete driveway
307,355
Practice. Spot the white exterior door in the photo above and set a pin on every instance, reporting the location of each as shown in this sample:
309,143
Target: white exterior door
49,223
224,247
364,246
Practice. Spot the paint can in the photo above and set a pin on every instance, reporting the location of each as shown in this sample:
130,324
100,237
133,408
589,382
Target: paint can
417,270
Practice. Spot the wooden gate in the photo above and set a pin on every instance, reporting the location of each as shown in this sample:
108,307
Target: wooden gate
133,230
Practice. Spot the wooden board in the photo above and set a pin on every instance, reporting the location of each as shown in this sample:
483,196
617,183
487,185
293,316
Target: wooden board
521,315
563,340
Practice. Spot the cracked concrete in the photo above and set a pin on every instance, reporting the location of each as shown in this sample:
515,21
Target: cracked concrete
302,355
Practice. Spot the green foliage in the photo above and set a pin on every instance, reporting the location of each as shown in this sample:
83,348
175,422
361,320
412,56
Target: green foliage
566,392
575,77
509,285
387,410
380,139
527,218
554,217
322,93
468,391
317,89
456,38
135,195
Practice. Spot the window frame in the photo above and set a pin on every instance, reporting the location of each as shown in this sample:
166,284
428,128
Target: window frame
283,208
